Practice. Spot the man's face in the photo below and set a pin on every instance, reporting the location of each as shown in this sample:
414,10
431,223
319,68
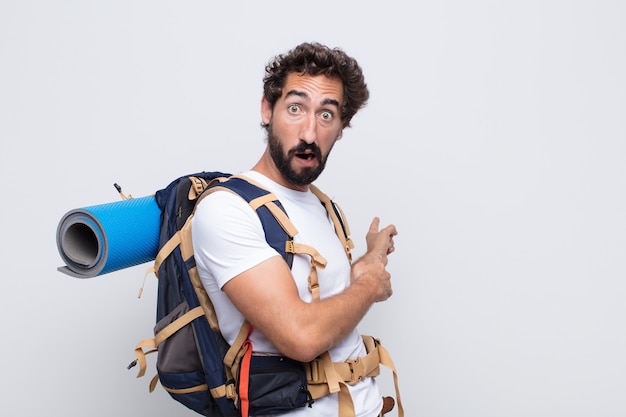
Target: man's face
303,126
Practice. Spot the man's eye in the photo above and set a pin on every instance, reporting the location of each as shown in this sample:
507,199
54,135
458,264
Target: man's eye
294,108
328,116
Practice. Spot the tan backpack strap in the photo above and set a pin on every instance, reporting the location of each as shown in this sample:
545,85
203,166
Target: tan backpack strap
167,331
317,260
186,251
229,391
351,371
163,253
385,359
178,324
141,355
342,229
145,276
153,383
197,388
332,377
325,377
234,354
198,185
346,406
300,248
266,200
281,217
333,384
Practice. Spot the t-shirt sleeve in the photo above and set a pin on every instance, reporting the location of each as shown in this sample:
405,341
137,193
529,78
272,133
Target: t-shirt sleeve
228,237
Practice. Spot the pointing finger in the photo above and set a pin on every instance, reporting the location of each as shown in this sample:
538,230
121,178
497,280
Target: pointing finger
374,225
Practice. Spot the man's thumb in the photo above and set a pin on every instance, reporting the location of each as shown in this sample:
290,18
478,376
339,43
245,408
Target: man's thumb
374,225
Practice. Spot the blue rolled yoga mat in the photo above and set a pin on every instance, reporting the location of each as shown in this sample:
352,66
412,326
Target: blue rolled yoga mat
104,238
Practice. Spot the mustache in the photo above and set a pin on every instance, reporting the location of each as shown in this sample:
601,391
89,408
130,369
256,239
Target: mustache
303,147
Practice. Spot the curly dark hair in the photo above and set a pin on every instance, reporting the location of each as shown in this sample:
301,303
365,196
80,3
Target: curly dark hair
315,59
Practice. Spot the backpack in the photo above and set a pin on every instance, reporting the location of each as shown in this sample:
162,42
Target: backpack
195,364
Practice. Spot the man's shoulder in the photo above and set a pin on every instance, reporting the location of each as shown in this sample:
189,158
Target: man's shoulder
222,206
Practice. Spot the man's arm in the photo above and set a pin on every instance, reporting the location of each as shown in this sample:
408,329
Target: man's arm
302,330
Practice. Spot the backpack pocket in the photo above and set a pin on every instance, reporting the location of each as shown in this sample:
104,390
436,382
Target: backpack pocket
277,384
179,366
190,389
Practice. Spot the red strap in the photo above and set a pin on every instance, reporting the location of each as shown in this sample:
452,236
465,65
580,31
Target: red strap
244,375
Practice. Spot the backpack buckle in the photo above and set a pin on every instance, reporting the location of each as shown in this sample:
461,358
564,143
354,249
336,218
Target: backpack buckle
198,185
231,391
314,373
357,369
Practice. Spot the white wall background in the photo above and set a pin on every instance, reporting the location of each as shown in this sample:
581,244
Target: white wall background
495,140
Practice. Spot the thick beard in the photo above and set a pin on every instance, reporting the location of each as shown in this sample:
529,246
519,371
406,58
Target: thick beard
283,160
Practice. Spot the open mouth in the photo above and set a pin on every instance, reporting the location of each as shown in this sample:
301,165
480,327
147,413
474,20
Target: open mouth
308,156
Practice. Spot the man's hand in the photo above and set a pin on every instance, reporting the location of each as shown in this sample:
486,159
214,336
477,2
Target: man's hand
380,242
370,269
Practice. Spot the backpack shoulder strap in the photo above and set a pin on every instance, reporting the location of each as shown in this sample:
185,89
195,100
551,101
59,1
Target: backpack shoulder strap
339,220
262,197
279,230
271,211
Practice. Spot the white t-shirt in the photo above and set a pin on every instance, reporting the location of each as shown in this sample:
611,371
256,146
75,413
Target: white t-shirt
228,239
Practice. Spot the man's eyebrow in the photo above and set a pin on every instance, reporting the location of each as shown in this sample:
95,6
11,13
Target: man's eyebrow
304,95
331,101
296,93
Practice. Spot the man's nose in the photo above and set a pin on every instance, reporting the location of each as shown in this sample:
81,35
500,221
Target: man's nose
308,132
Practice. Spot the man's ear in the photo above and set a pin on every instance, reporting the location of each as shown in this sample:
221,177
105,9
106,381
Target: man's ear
266,111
